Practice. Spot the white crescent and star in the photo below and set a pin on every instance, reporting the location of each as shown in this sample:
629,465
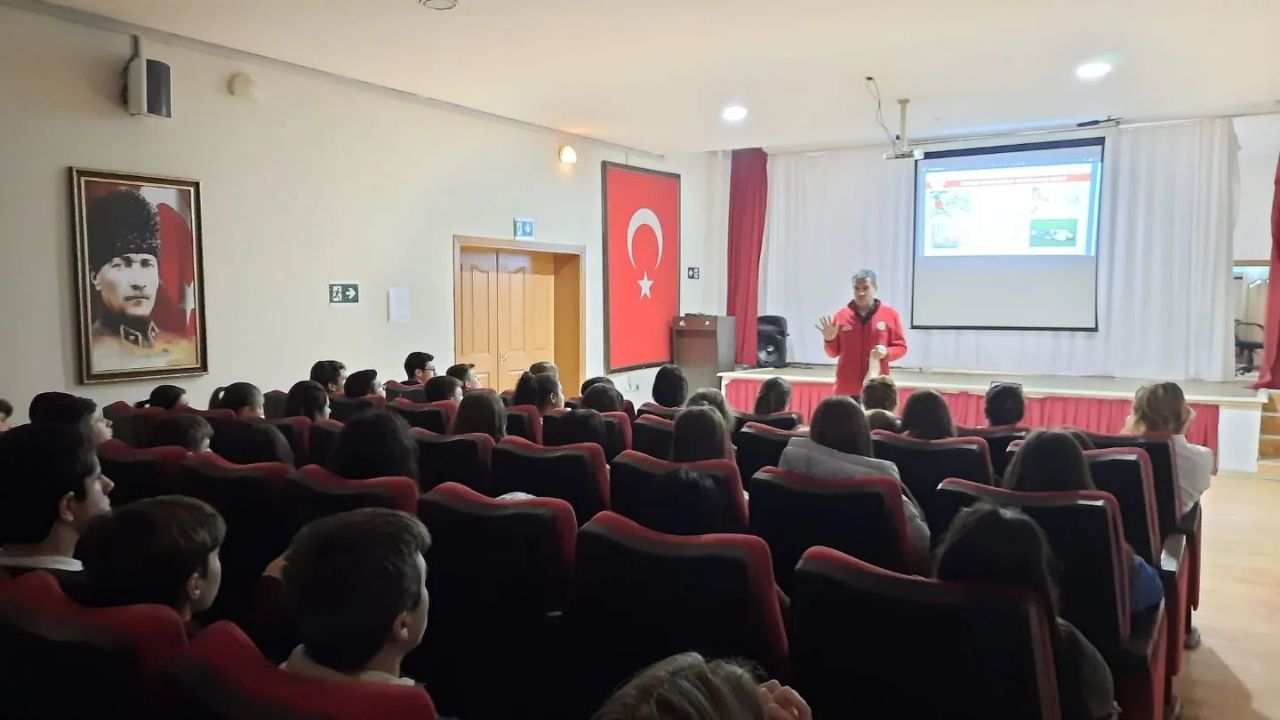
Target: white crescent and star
642,217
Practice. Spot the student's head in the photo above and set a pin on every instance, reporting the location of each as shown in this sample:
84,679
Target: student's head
50,482
308,399
603,397
773,397
355,587
362,383
185,430
124,251
670,387
927,417
466,374
160,550
443,387
880,393
864,288
252,442
592,382
1004,404
839,423
165,396
541,391
999,545
582,426
331,375
1161,408
6,412
481,411
418,367
242,398
66,409
712,398
685,509
544,366
883,420
1048,461
700,434
373,444
687,687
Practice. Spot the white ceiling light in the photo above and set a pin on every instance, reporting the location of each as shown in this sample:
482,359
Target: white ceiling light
1093,70
439,4
734,113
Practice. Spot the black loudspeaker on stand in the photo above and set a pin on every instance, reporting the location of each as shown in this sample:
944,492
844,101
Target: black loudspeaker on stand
771,341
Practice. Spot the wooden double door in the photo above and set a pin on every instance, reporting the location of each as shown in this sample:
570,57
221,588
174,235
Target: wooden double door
505,312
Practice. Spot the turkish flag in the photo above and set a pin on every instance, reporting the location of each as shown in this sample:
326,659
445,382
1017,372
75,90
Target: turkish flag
642,265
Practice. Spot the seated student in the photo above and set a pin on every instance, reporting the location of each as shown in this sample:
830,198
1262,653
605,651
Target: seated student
185,430
880,400
544,366
838,447
6,412
157,551
308,399
242,398
690,687
670,387
443,387
481,412
362,383
773,397
1004,405
245,443
375,444
51,485
1052,461
684,510
164,396
991,544
583,426
466,374
60,407
603,397
541,391
712,398
418,368
592,382
1162,408
355,587
927,417
700,434
331,375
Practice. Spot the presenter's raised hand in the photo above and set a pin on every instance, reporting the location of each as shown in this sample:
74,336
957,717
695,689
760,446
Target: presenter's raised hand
828,328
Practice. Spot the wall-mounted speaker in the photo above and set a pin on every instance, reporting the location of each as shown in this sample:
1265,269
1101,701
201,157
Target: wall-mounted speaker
147,89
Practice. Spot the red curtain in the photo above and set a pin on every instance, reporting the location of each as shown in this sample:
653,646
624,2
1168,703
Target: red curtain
748,195
1269,372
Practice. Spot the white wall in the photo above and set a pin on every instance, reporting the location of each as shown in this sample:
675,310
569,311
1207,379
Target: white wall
1259,151
317,179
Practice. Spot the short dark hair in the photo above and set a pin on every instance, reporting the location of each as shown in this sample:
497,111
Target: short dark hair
544,366
839,423
441,387
346,579
1049,461
163,396
360,383
688,687
670,387
1001,545
180,429
593,381
120,223
145,551
880,393
39,464
327,372
308,399
6,408
1004,404
583,426
536,390
416,361
481,411
685,509
603,397
60,407
773,396
883,420
925,416
460,371
865,274
699,434
375,443
236,397
251,441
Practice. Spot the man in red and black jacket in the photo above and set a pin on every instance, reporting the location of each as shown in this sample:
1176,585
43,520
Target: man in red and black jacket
864,331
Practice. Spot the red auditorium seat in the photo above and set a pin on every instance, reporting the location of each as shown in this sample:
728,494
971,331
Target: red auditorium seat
575,473
780,420
130,424
343,408
320,492
225,676
617,430
639,596
297,432
651,408
573,403
274,404
466,459
632,494
436,417
760,446
998,441
59,659
140,473
1087,539
871,643
862,517
653,435
412,393
498,576
551,426
524,421
925,463
321,439
507,396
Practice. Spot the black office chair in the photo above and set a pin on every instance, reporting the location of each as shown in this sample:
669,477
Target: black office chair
771,341
1248,347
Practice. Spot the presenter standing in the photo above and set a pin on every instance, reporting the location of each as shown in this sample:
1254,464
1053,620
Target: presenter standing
863,332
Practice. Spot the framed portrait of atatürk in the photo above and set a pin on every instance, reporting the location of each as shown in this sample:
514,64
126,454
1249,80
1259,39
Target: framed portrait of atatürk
139,276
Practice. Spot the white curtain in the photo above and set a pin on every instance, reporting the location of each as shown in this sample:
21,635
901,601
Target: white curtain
1168,209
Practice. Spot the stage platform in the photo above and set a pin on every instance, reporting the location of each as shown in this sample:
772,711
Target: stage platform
1228,414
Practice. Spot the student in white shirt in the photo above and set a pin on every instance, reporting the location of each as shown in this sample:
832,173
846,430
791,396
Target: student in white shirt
1162,408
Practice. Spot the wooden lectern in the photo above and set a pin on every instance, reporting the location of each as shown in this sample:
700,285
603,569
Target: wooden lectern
703,345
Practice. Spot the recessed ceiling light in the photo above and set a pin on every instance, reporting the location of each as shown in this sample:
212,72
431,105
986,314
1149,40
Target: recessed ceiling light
734,113
1093,70
438,4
